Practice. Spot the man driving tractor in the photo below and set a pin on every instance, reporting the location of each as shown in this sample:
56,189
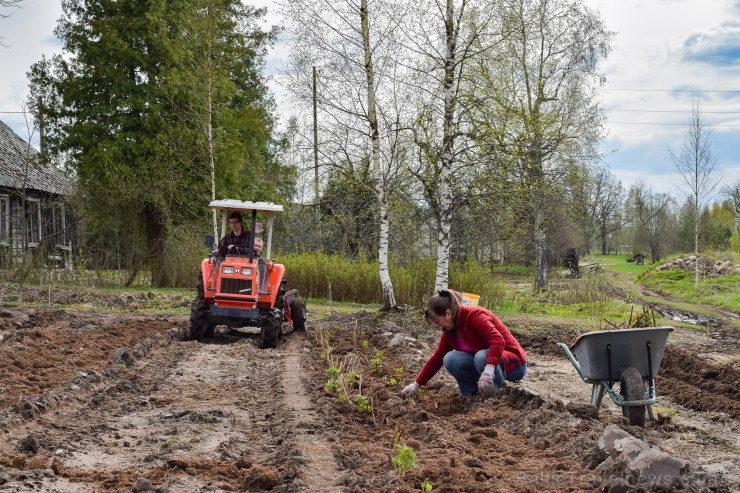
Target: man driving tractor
236,240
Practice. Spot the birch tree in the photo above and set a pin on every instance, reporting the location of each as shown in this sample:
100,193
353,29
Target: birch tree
438,40
696,163
349,41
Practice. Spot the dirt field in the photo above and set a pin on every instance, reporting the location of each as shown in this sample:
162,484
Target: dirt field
98,402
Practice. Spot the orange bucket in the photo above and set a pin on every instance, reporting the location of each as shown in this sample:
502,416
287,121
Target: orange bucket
470,299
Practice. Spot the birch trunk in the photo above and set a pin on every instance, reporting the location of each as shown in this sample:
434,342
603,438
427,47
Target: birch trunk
209,130
441,279
389,299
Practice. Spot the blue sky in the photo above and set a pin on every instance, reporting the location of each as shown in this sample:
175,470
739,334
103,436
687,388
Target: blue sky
664,52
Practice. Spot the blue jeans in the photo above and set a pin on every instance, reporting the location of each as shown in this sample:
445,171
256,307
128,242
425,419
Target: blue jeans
466,368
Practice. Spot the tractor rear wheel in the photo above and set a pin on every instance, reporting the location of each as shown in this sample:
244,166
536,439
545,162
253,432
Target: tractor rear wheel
298,314
632,388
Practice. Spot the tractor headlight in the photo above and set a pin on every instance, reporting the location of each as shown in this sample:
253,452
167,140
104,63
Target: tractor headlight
246,271
227,269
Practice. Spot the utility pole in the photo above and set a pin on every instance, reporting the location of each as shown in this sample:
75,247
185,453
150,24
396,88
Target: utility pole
315,152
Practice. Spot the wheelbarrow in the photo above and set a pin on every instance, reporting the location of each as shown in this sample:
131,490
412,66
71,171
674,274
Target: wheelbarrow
631,357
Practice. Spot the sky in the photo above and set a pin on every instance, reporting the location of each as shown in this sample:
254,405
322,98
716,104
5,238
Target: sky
664,53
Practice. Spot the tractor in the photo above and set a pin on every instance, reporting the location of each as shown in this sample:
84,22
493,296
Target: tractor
244,289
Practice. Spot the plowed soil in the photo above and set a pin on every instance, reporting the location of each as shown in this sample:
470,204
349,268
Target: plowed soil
95,402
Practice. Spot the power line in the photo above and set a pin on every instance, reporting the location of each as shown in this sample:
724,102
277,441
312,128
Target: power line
669,90
670,124
676,111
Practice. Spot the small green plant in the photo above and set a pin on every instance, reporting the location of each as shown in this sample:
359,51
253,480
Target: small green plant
426,485
396,378
331,386
376,362
364,344
352,378
405,459
362,404
326,353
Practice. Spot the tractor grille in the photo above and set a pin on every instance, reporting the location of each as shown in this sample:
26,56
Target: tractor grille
236,286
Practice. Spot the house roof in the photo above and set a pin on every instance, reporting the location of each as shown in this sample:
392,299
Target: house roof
20,163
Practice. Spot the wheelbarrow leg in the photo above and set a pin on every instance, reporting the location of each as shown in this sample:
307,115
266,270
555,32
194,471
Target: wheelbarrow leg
650,412
597,394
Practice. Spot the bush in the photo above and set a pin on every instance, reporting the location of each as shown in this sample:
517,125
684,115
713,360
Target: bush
358,280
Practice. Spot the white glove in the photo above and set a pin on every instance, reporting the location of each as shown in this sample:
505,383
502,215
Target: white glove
410,389
486,378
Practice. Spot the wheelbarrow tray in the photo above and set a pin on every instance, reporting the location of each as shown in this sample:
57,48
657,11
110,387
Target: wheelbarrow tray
625,348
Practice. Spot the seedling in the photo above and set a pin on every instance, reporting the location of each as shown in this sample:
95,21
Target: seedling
326,353
426,485
377,362
331,386
396,378
405,459
362,404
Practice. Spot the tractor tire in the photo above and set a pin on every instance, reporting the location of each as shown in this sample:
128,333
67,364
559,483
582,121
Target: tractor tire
632,388
298,314
200,288
200,324
270,333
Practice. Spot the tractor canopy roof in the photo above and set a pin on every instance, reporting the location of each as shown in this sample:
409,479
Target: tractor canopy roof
239,205
226,205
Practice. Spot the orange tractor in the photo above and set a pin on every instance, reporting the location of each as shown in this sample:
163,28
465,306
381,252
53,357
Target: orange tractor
244,289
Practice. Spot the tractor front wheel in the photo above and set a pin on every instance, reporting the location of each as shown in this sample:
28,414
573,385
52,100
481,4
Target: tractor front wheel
200,324
632,388
270,332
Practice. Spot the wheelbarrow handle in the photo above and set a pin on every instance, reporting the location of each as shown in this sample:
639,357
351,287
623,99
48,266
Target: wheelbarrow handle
572,359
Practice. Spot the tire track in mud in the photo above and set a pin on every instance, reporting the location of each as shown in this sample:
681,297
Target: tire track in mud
320,471
184,417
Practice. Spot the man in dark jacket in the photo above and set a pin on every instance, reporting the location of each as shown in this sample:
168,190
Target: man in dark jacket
237,240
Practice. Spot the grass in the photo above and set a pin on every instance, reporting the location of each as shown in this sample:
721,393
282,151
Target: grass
319,308
506,290
721,291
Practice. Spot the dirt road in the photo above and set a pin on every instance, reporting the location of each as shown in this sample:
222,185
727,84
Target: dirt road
92,403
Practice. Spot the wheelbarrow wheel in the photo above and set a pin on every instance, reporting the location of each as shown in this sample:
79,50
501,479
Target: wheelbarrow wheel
632,388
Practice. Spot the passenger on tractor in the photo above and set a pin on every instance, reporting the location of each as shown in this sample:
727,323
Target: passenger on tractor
258,245
237,240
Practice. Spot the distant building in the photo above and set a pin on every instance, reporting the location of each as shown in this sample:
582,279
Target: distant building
33,216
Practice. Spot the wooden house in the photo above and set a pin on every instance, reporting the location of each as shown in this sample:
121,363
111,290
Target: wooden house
35,222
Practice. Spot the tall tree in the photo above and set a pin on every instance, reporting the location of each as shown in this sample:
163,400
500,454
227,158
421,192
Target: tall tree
542,115
652,218
696,163
349,40
130,113
439,38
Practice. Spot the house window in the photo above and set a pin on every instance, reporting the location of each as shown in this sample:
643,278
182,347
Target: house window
33,221
4,219
58,222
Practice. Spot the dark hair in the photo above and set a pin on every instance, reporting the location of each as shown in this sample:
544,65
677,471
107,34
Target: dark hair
438,305
237,215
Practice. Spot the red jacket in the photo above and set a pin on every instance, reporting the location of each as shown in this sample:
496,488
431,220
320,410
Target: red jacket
480,329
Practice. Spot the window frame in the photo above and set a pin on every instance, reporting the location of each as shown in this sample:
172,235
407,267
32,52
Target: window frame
29,222
5,219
